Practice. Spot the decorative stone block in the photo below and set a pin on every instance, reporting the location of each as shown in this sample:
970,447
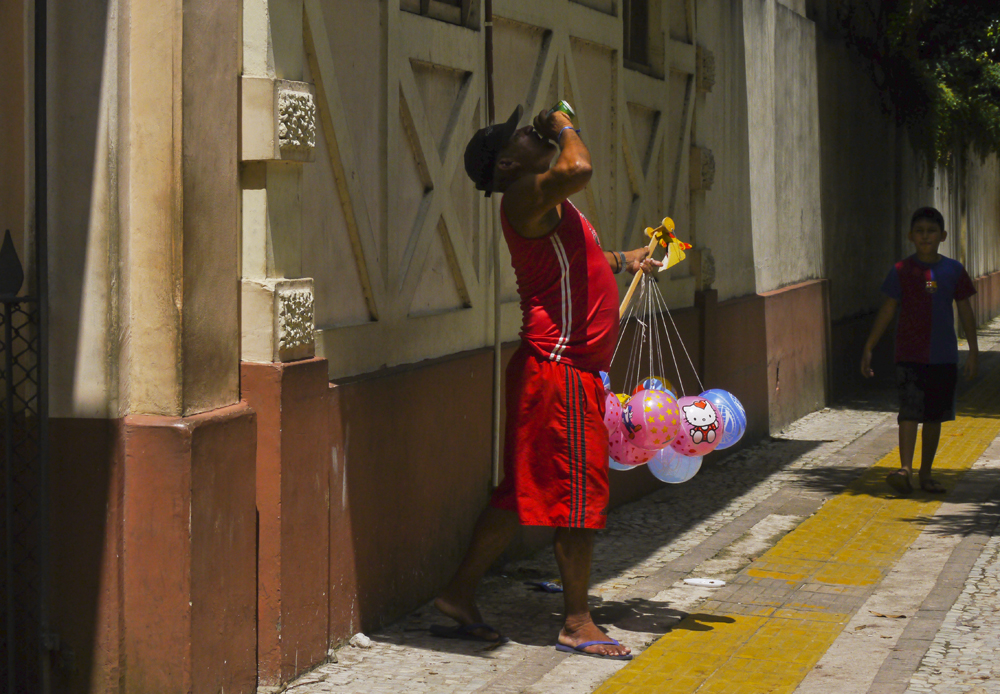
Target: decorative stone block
294,318
702,168
277,320
705,69
279,120
296,120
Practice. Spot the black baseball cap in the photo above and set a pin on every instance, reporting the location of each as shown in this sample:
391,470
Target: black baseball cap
483,149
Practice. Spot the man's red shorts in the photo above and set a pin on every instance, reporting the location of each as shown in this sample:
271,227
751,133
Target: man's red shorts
555,446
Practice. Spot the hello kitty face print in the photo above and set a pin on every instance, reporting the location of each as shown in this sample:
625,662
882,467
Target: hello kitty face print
703,421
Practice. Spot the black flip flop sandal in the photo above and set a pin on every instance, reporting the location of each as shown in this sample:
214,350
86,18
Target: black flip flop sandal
900,481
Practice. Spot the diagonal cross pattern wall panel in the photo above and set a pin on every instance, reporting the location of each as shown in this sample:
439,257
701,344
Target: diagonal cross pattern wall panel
399,94
430,126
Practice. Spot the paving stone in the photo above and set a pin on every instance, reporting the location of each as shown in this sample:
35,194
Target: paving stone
651,544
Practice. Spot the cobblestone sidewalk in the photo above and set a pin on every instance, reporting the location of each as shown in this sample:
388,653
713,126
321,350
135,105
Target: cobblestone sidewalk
641,541
711,527
963,656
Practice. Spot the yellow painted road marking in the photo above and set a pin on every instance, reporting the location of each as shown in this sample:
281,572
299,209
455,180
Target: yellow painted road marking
769,642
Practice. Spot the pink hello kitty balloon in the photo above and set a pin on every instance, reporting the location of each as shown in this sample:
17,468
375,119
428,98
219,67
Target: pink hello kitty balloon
624,452
650,419
612,412
701,427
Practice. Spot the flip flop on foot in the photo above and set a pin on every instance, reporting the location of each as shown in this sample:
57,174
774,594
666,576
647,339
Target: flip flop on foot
579,650
932,486
481,632
900,481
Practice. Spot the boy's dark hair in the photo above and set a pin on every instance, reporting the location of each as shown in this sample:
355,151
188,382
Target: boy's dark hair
930,214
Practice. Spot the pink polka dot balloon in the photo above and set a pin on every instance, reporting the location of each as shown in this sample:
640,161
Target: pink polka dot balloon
650,419
612,412
624,452
701,427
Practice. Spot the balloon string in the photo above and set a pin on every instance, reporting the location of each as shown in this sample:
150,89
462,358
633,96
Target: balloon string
673,356
659,347
694,370
638,339
623,324
621,329
647,310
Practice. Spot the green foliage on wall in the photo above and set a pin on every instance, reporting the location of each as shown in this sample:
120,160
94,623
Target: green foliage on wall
937,65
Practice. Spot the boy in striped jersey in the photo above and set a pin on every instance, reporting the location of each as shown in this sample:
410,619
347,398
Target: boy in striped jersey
924,286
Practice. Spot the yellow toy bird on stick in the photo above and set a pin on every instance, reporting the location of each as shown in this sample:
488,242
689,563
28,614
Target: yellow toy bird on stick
675,254
675,247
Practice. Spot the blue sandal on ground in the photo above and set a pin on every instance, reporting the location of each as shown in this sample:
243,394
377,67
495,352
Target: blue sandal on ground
467,632
578,650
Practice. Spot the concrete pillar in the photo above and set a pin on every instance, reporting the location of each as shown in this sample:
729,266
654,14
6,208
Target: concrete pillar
188,581
188,539
179,207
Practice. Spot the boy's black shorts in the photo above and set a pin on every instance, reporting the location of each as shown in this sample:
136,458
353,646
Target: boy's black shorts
926,391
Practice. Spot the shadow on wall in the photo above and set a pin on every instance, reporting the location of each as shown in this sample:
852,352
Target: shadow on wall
414,468
85,467
86,514
413,449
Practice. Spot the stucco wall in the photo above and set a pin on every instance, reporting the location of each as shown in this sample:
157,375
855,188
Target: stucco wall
798,351
83,215
724,213
784,144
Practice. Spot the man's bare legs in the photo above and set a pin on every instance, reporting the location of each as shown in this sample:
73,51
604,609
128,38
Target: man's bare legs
493,532
574,548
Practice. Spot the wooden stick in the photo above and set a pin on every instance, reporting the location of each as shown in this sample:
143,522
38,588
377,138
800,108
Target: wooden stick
635,280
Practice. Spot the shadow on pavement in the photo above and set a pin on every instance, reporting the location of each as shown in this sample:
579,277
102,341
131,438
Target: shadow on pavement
637,614
639,530
635,532
979,519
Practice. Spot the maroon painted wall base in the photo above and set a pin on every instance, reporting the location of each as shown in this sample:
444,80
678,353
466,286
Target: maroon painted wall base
293,498
188,592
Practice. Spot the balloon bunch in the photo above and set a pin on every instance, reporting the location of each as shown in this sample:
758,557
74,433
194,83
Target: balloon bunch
671,435
654,426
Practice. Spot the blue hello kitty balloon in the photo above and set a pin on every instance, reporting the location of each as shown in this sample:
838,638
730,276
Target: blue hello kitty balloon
734,417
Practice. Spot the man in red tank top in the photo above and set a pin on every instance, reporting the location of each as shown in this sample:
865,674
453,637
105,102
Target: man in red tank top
556,443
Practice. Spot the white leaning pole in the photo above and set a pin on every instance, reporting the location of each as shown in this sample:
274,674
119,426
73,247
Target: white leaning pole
497,342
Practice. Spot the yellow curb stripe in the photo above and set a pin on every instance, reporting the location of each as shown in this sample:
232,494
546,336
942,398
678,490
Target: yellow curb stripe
851,542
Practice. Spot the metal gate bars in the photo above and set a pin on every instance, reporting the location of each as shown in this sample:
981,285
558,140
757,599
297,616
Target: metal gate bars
23,523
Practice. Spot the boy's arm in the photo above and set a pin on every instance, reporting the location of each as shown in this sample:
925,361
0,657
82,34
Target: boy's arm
882,321
968,318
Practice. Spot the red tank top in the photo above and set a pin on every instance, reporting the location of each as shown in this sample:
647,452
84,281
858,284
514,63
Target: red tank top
569,297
